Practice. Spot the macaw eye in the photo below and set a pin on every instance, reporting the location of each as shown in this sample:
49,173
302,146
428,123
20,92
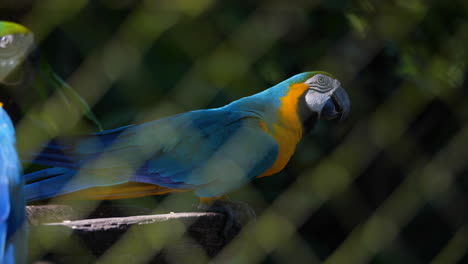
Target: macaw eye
322,81
6,41
321,84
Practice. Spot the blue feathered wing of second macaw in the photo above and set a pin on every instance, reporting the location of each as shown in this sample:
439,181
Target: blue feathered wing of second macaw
12,203
209,151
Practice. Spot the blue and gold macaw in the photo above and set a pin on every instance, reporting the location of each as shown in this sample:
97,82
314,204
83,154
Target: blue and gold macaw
29,77
13,229
210,151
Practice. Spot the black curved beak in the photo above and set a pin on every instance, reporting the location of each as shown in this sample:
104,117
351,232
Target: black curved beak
338,106
342,103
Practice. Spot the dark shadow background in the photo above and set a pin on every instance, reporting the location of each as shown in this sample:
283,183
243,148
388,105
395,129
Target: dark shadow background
403,64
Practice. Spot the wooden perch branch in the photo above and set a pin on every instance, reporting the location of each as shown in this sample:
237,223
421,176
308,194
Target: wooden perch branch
56,236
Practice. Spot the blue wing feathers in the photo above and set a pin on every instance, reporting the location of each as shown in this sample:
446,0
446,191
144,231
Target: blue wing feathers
4,202
171,152
12,204
3,239
4,215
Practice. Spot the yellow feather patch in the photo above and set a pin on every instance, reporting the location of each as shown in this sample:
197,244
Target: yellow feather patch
288,130
211,200
120,191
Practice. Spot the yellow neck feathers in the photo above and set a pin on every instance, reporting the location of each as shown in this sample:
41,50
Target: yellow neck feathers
288,115
288,130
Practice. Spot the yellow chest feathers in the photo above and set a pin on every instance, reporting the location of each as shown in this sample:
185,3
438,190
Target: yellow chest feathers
287,131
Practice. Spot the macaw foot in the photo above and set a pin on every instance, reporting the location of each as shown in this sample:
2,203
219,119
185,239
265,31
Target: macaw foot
237,215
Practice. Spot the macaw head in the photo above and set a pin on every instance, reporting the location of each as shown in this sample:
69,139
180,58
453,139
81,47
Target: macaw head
325,97
16,44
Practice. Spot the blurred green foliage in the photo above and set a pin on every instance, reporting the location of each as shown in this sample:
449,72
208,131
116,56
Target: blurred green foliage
387,186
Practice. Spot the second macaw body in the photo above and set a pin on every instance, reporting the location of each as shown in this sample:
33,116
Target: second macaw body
209,151
13,229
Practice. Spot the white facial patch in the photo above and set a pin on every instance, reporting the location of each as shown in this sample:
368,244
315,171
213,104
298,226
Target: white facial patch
5,41
13,50
321,88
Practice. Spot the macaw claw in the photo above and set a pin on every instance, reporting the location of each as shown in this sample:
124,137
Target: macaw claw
237,215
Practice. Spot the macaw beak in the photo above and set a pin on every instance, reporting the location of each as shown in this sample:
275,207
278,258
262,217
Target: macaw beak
341,100
338,106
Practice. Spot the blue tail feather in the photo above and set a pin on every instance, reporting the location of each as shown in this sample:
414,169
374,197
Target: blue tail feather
65,152
49,187
44,174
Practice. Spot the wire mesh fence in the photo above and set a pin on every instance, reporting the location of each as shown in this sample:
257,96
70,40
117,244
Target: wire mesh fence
388,185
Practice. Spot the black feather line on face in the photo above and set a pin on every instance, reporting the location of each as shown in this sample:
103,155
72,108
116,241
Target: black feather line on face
308,117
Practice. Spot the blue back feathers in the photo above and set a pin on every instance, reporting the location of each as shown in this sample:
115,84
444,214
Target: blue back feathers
175,152
212,151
